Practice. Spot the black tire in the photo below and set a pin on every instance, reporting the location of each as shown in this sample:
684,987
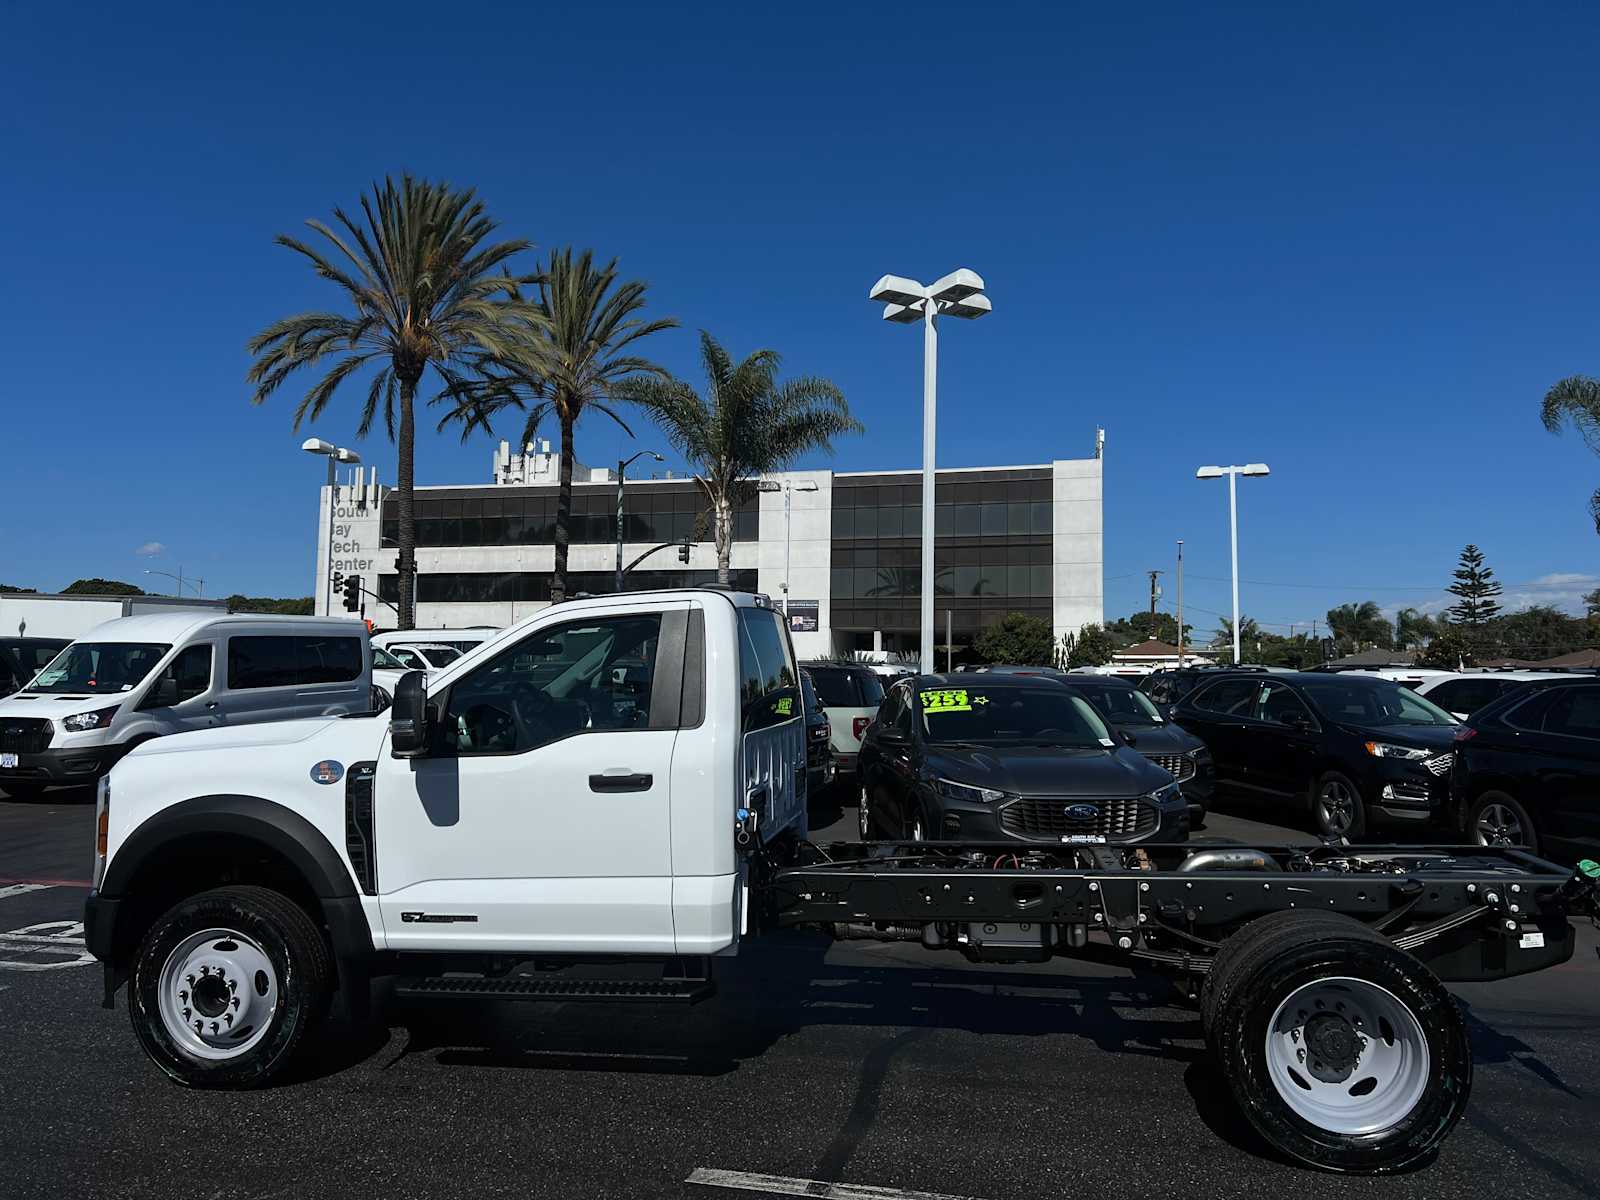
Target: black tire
297,953
1482,820
1273,958
1335,792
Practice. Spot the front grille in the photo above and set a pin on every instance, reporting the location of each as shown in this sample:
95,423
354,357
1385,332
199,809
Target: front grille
1114,820
1439,764
1179,766
24,735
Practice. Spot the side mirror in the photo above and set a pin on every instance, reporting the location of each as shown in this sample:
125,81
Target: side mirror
1297,720
166,693
1126,738
408,717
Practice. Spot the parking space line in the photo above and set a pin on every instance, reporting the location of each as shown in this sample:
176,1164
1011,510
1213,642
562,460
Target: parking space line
72,883
18,889
812,1189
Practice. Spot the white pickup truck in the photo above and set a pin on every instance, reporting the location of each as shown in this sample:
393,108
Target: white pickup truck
618,783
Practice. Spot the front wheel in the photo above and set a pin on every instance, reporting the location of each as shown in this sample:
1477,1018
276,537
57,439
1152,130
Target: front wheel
227,984
1344,1051
1336,807
1496,819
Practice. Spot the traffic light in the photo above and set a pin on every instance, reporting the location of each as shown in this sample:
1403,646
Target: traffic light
352,594
683,553
338,581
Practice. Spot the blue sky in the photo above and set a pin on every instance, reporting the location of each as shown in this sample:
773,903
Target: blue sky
1355,243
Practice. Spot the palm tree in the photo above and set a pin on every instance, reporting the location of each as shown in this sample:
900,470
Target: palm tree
569,362
1576,399
428,291
750,424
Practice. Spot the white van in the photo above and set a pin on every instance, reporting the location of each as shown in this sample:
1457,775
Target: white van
137,678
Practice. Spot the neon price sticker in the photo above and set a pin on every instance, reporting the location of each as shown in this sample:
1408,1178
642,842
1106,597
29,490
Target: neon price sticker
949,700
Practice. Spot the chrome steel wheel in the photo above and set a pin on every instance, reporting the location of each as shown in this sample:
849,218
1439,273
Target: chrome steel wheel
217,994
1498,825
1347,1056
1336,806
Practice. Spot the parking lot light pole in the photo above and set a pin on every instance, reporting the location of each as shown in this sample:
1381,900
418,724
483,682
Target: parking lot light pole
1233,474
622,478
788,489
334,455
905,301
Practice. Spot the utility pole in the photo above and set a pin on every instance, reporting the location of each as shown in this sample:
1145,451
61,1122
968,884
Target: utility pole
1155,594
1180,602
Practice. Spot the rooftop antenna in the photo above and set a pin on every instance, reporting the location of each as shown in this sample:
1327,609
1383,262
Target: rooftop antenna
1099,443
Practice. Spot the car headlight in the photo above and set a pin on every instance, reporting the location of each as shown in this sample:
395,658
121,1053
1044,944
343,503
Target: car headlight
79,722
952,790
1389,750
1167,797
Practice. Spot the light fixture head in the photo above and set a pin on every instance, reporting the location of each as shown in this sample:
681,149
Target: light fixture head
1210,473
897,289
904,314
957,285
346,456
316,446
969,307
769,485
1254,469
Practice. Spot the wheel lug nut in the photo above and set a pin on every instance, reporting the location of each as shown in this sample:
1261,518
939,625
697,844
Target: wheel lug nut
191,980
232,986
187,1013
183,997
215,1027
228,1017
235,1002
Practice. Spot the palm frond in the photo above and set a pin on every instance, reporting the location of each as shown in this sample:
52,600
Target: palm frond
1575,399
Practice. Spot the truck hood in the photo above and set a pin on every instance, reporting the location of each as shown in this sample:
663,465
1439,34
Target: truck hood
242,737
55,706
1050,770
1166,738
1427,737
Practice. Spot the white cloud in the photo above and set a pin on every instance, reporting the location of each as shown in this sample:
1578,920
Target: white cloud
1559,589
150,550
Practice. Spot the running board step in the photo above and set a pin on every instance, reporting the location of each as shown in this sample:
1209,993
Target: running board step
521,987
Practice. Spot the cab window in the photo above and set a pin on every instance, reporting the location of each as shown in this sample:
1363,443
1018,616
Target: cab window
591,676
1279,706
192,671
1230,697
767,680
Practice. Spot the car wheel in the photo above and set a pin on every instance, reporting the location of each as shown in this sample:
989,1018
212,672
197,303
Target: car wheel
227,984
1336,807
1496,819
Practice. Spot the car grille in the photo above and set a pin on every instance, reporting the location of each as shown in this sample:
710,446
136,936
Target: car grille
24,735
1439,764
1114,820
1179,766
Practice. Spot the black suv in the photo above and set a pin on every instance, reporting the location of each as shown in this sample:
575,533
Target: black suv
1176,751
1168,686
1355,750
999,758
1527,770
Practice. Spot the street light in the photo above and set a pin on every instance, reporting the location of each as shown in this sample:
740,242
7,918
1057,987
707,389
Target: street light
958,294
199,584
622,469
1233,474
334,455
788,489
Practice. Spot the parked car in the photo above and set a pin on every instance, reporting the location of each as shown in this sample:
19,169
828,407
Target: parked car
137,678
820,769
387,671
1167,687
850,693
1353,750
1462,693
1007,758
464,640
1527,770
1175,750
21,658
421,656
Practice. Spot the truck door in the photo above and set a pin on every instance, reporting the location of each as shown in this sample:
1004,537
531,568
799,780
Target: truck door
540,818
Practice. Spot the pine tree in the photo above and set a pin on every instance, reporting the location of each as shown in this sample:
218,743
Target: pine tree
1477,588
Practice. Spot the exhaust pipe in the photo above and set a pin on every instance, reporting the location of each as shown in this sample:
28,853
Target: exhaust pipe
1228,858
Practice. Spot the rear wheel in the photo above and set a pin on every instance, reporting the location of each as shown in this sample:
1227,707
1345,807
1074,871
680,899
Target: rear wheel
1496,819
226,985
1344,1051
1336,806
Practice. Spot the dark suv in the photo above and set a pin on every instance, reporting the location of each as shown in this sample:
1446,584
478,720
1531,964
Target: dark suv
21,658
1171,685
1527,770
1007,758
1356,751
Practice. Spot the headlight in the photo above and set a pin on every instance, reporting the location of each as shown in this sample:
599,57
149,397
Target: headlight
1167,797
952,790
79,722
1389,750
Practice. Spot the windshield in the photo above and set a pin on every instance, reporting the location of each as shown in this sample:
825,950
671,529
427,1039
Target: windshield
997,716
98,668
1120,705
1375,702
441,656
384,661
839,688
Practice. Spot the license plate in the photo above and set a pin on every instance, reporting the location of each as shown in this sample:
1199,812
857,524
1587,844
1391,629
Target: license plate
8,761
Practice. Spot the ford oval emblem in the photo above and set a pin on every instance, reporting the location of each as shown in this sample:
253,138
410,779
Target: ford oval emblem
327,771
1082,812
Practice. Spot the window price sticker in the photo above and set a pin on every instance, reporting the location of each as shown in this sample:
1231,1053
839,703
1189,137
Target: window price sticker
950,700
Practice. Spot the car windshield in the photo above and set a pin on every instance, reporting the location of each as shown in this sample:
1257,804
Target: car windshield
840,688
1120,705
1374,702
992,716
98,668
441,656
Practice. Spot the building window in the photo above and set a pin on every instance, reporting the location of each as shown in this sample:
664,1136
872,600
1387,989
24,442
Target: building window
513,587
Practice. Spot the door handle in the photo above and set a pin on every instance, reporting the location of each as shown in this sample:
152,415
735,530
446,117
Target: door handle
621,782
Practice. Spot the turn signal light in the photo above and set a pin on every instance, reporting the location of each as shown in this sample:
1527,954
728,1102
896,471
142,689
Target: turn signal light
1465,734
102,831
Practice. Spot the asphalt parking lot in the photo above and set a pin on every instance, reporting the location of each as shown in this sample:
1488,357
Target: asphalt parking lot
852,1063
